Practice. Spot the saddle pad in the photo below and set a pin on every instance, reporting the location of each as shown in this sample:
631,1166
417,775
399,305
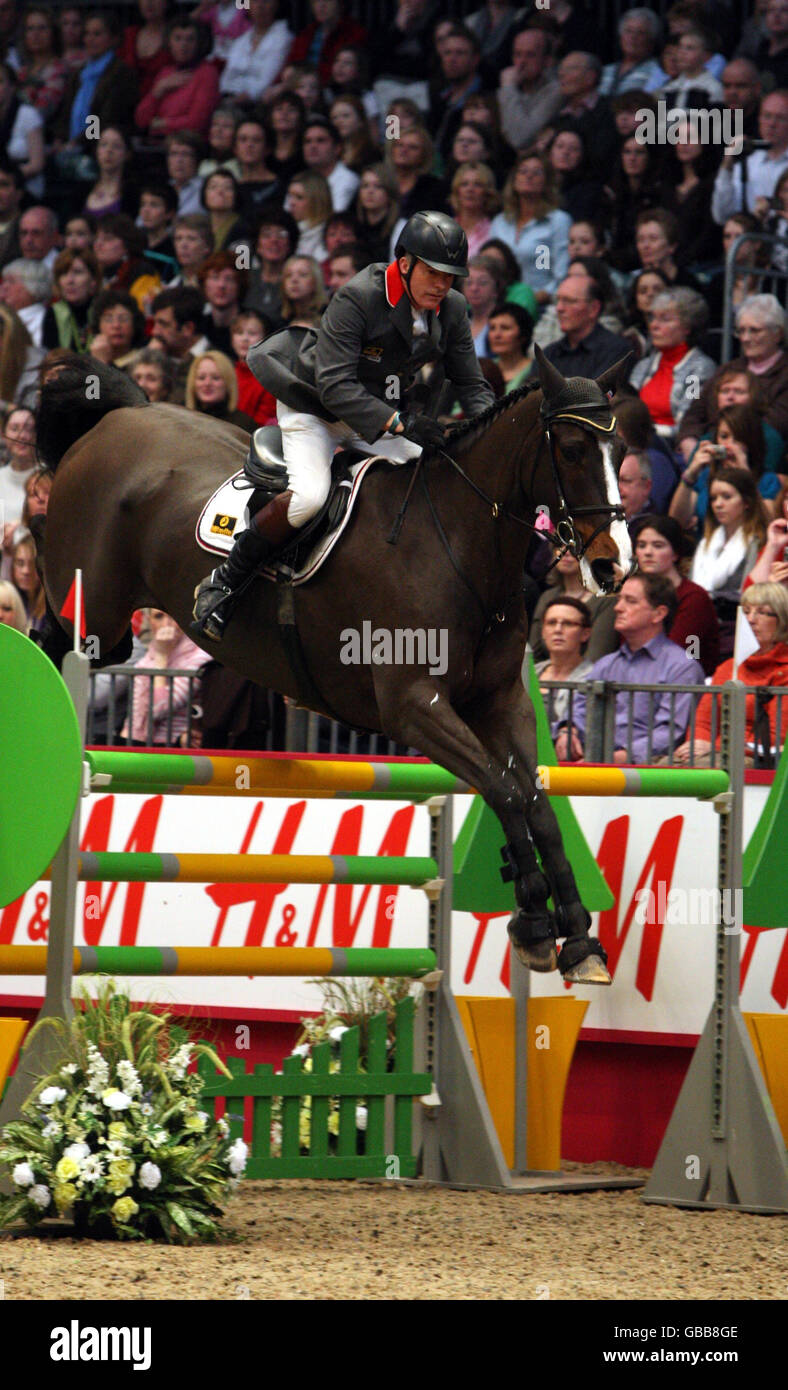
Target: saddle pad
224,517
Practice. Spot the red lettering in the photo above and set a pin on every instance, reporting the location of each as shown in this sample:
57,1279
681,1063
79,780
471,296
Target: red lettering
345,922
261,895
96,837
482,921
779,989
660,864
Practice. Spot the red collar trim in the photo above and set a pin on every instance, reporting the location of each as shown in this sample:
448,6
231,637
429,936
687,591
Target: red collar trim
394,286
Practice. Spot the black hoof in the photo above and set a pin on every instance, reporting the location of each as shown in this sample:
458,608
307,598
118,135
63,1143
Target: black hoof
533,941
583,961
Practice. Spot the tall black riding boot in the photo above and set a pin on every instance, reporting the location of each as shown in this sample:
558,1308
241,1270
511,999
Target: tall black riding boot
216,596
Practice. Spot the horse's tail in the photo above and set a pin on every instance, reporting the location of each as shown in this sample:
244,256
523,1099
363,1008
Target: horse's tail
78,392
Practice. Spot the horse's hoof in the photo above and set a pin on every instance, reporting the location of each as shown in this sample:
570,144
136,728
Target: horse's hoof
590,971
536,955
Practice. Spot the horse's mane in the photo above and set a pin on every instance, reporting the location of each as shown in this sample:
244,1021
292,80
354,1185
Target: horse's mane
77,392
465,434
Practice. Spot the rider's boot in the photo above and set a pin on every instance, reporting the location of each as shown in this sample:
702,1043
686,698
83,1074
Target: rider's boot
216,596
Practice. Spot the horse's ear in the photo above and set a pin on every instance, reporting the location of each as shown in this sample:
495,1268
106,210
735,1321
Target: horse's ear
550,379
616,375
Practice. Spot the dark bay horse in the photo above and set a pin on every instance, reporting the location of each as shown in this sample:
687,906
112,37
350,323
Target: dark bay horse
131,479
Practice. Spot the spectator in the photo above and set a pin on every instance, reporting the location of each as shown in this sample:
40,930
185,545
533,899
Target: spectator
734,532
225,120
37,490
19,360
585,348
119,246
79,233
695,86
533,225
348,116
656,239
764,166
39,238
340,231
19,446
643,290
177,330
305,83
246,330
26,287
221,197
322,147
580,191
741,91
459,58
760,323
212,389
647,724
639,33
343,264
566,628
158,205
516,290
578,78
483,290
22,132
772,54
26,580
226,21
634,190
113,190
12,609
303,292
565,581
41,75
144,46
668,378
529,95
771,566
192,238
153,372
410,157
473,199
70,24
400,54
276,240
258,182
737,442
12,191
688,189
186,90
118,328
472,144
183,157
509,338
159,713
287,121
320,41
256,56
493,24
224,287
636,428
350,77
377,211
775,221
634,485
77,278
766,608
659,545
103,91
309,202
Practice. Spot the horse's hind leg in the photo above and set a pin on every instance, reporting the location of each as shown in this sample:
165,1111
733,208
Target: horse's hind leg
507,727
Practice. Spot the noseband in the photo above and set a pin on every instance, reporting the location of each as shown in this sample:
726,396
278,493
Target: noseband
566,536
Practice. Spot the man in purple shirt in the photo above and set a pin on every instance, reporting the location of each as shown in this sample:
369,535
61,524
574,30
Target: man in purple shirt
645,610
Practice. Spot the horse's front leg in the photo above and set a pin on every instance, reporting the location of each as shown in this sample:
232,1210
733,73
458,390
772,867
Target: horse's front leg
506,725
421,716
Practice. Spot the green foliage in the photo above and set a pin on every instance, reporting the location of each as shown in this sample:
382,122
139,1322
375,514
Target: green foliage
115,1138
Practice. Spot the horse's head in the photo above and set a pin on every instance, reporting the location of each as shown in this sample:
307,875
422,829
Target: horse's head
584,453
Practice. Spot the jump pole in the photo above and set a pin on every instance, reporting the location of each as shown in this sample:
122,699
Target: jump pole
230,961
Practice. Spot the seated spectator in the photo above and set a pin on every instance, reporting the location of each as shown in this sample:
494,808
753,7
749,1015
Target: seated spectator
344,264
516,290
144,47
659,545
22,132
119,247
401,55
26,287
287,121
751,257
565,582
410,156
634,485
578,77
766,608
186,90
39,237
212,389
771,55
340,231
634,190
322,147
118,327
639,33
253,399
509,335
531,222
585,348
37,489
348,116
760,324
79,233
27,582
12,609
224,287
192,238
153,372
226,22
256,57
737,442
184,150
734,532
275,242
695,86
473,200
221,197
529,95
19,463
566,628
580,191
114,191
302,79
667,380
70,22
457,76
763,167
688,183
483,290
157,209
225,121
656,239
303,292
647,724
643,290
321,40
376,211
309,202
473,144
636,428
104,91
771,566
350,77
77,278
41,75
19,360
480,113
159,713
177,331
12,193
258,183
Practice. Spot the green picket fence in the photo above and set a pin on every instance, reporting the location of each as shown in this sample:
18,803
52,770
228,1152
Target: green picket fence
383,1149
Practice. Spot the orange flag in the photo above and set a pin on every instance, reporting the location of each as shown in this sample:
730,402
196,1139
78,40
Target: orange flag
70,607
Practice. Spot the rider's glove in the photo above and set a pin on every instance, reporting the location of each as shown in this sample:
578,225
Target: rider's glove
423,430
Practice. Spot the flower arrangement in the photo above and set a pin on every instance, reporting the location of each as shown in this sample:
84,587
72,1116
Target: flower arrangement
115,1137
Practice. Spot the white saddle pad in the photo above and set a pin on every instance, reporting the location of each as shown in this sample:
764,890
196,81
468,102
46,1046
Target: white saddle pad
224,517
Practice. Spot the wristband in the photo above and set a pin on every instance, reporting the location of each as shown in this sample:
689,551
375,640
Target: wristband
396,420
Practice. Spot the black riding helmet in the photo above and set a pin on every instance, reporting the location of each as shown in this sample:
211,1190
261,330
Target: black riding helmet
437,240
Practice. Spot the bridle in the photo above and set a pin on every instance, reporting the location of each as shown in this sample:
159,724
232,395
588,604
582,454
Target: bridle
566,534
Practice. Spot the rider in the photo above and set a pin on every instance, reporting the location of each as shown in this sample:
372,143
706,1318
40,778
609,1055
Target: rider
337,387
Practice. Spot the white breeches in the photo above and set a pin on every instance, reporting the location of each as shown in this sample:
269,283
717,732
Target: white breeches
308,445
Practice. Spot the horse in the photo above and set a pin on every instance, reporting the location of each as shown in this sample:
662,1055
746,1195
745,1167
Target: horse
131,478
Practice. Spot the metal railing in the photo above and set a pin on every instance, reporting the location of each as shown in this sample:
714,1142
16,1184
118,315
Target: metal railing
778,279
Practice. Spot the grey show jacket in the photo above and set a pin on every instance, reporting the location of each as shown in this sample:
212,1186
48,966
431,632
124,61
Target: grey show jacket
364,357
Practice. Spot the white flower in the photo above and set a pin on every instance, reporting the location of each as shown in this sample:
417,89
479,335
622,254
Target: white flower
52,1130
336,1033
301,1051
98,1071
236,1157
361,1117
149,1176
158,1137
69,1069
51,1095
115,1099
146,1108
77,1151
92,1169
129,1079
23,1175
40,1196
178,1063
223,1127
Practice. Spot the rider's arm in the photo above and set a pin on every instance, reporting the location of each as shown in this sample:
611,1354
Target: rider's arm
340,338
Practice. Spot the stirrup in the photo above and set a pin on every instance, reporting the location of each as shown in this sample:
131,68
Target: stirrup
209,619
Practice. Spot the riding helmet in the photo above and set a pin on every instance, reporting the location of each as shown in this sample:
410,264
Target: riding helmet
437,240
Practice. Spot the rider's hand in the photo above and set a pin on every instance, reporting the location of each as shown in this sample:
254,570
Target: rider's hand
423,430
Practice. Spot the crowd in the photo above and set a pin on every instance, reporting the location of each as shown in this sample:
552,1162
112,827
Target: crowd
175,190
